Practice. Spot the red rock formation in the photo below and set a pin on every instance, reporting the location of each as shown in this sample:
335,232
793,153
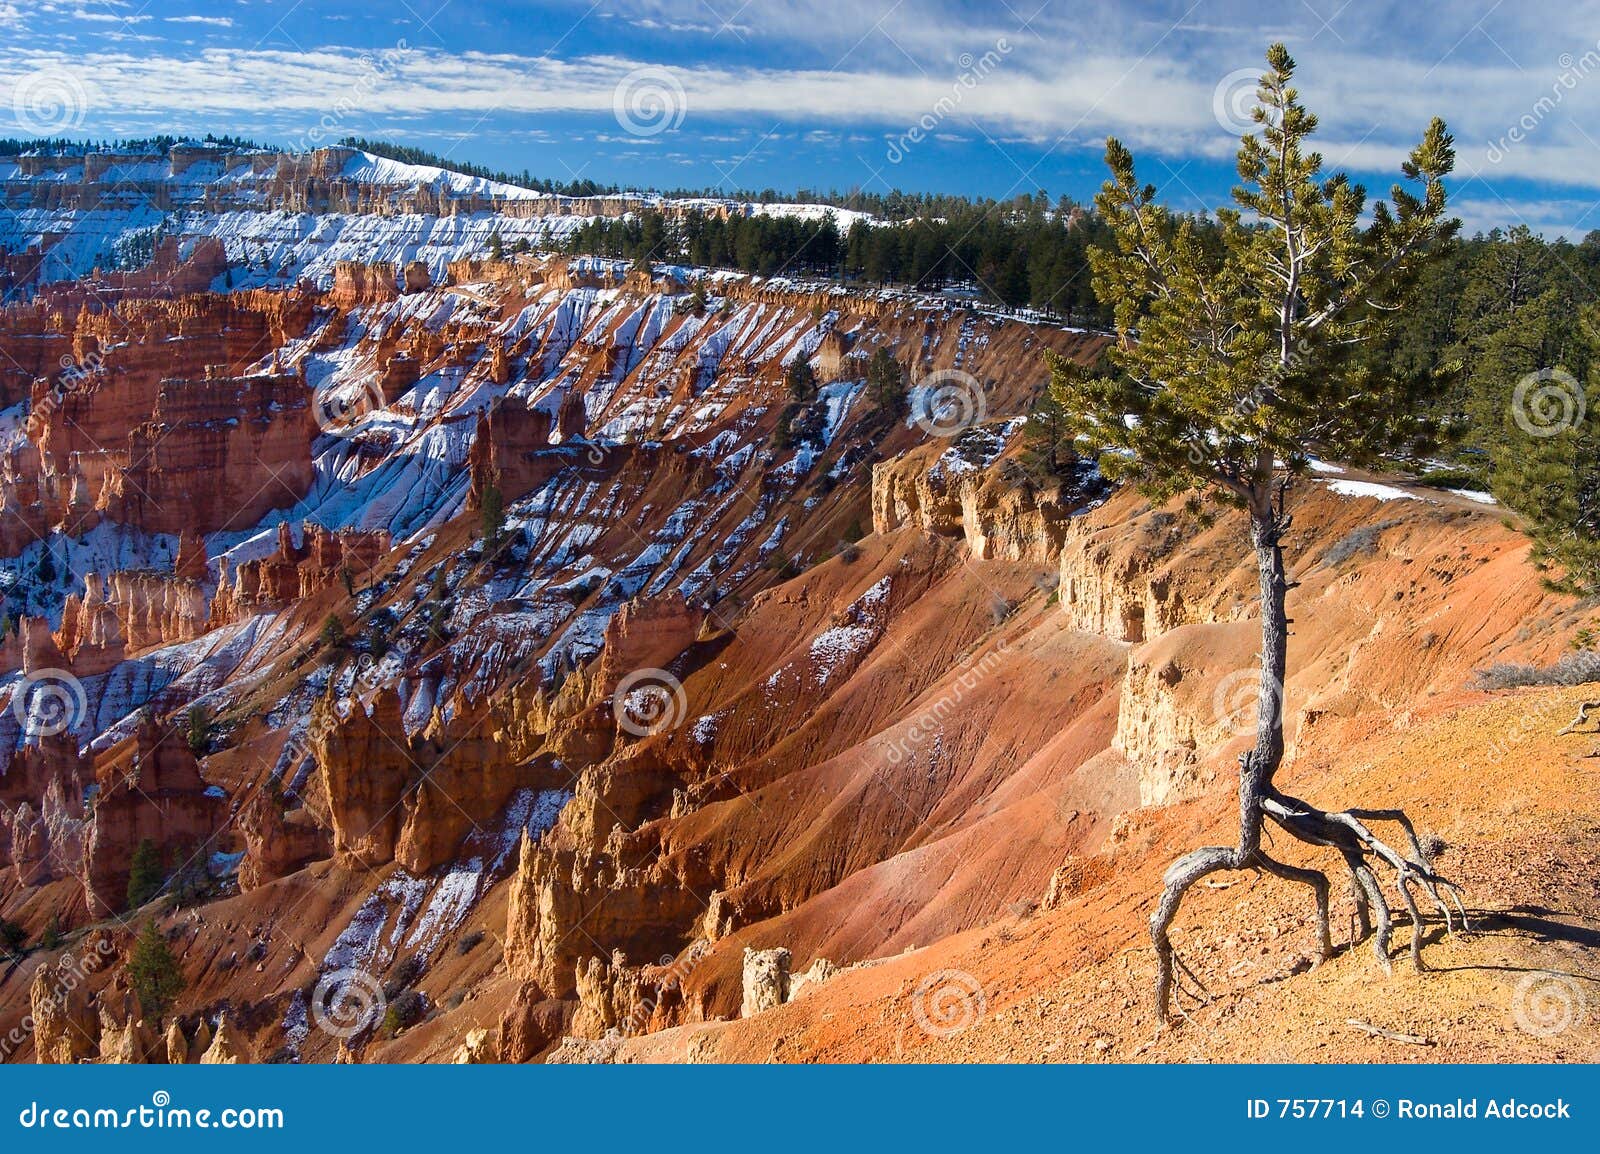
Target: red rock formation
91,634
507,448
356,284
218,452
412,800
278,842
325,558
149,788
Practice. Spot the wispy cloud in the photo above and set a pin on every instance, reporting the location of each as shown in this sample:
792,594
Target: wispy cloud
1520,90
1163,105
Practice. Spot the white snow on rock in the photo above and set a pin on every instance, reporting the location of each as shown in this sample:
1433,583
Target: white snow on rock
1370,489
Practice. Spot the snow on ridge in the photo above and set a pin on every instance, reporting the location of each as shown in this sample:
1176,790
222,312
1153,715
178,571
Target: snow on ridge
1370,489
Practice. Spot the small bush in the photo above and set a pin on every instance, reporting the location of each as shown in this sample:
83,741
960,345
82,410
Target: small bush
469,943
404,1011
1580,668
1361,541
403,977
12,936
1452,478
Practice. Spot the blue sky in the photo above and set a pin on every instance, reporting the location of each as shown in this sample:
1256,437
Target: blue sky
977,98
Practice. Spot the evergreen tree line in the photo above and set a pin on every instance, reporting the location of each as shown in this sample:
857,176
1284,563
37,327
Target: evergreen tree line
16,146
1508,324
1020,256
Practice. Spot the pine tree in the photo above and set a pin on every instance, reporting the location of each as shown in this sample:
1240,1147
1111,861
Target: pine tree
332,634
493,514
12,938
496,246
1547,469
153,972
1238,355
201,730
145,876
886,384
802,381
1048,438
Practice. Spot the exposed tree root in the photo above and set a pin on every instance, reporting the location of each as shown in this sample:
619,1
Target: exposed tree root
1584,710
1345,831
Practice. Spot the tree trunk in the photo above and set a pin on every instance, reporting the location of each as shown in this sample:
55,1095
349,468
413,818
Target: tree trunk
1261,763
1259,799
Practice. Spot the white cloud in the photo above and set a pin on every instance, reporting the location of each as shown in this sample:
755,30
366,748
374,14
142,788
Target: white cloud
874,68
106,17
